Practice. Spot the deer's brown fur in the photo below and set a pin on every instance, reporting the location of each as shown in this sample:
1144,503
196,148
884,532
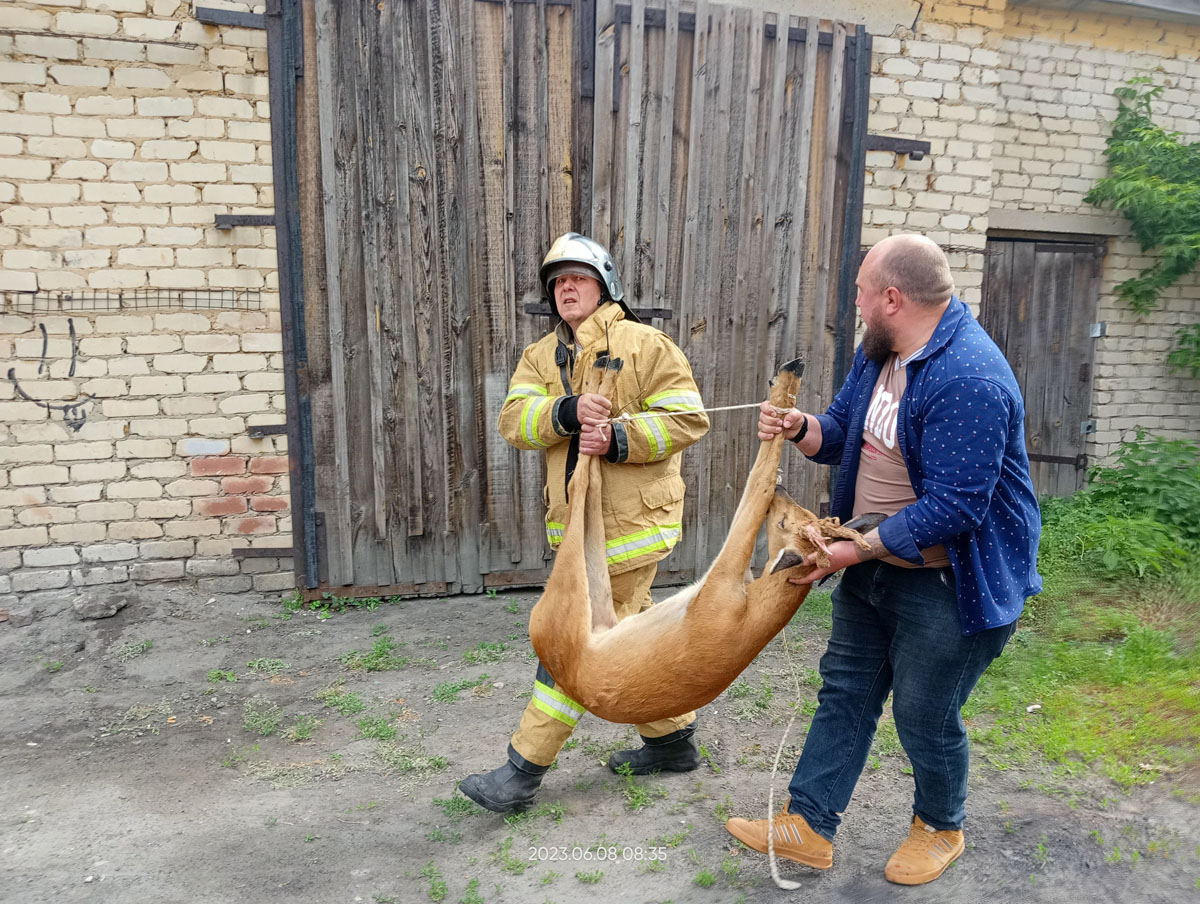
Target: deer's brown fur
680,653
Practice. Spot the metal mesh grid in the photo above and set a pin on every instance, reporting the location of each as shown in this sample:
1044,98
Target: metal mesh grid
84,300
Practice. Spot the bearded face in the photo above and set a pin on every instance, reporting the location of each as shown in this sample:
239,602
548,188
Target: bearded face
878,340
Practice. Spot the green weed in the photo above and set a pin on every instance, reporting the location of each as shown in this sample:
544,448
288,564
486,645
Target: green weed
303,729
512,608
218,675
456,808
378,727
448,691
705,878
381,657
53,666
509,863
554,811
269,667
471,895
405,760
346,702
132,650
706,755
261,716
437,885
485,652
590,878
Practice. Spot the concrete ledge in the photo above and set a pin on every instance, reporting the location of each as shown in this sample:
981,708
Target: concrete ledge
1066,223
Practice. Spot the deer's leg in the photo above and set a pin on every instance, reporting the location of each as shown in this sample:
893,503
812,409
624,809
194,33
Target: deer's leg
600,598
734,558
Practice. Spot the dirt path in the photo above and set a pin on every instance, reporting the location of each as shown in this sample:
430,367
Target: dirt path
130,776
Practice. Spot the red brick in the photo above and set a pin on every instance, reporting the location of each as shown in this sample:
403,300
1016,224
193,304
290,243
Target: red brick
269,464
264,524
223,464
248,485
219,506
269,503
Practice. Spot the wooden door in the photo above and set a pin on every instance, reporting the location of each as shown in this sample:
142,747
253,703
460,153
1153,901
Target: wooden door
447,142
1039,304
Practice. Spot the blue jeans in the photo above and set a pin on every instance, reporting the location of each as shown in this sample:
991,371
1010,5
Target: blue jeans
894,629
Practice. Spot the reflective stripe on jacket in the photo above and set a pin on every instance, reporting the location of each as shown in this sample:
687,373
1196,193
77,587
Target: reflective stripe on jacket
643,492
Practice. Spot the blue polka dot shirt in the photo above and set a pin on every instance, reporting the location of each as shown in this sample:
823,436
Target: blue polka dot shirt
961,430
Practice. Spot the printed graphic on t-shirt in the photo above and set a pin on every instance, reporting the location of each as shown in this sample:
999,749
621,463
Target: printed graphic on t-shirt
881,416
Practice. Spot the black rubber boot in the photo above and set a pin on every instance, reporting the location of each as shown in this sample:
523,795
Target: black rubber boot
676,752
508,789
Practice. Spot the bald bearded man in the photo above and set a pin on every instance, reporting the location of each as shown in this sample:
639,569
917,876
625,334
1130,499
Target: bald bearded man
929,430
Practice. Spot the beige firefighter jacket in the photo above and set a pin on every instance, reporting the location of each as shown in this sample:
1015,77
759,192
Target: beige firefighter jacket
643,492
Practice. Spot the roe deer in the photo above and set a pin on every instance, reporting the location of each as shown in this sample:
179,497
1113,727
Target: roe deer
681,653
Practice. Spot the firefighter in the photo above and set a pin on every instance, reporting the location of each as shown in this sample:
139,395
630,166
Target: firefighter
642,491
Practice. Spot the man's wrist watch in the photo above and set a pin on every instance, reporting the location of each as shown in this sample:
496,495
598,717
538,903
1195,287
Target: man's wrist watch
803,430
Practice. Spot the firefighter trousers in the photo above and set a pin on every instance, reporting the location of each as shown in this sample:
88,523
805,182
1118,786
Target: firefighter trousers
551,715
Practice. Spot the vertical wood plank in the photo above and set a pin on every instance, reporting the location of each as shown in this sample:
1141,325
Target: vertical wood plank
583,19
826,265
560,153
322,287
510,246
659,257
799,218
696,163
377,274
603,148
633,144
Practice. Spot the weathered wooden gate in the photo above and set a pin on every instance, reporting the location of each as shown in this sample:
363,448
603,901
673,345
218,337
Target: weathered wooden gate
1039,304
444,143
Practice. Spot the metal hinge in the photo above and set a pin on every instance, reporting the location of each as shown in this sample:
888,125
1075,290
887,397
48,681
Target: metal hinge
1088,426
1098,329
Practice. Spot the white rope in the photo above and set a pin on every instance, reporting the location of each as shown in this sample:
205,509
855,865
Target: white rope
785,884
649,414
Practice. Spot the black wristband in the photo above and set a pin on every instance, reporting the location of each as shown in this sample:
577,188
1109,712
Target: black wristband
803,430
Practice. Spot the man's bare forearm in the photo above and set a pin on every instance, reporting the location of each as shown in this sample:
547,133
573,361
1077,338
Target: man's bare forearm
875,548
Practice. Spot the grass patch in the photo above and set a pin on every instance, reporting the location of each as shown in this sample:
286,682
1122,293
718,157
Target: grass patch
485,652
409,760
508,863
132,650
270,667
448,691
555,811
303,729
218,675
1108,652
378,727
705,878
346,702
590,878
817,610
756,699
437,885
456,808
471,895
638,795
261,716
382,657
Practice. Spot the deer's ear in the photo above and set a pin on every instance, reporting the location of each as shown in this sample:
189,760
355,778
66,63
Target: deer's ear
787,558
865,522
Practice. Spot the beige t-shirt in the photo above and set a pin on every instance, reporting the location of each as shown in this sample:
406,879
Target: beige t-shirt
883,484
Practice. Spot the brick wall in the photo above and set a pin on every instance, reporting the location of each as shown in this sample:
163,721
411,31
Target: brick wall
125,127
1056,81
1016,103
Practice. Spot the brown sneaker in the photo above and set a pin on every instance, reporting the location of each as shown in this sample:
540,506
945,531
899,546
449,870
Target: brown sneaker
924,854
794,840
